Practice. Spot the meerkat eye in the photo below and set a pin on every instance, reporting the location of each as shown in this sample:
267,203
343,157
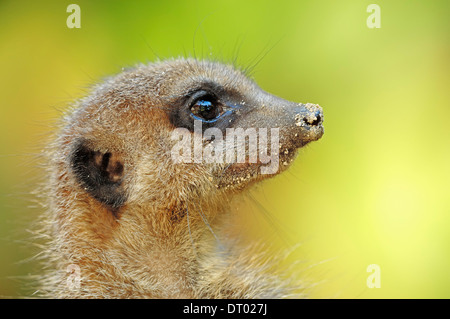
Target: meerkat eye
206,108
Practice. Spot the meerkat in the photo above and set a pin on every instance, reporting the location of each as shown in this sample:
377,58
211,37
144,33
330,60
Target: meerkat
130,222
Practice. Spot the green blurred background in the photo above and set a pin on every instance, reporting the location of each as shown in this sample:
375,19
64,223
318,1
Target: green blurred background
374,190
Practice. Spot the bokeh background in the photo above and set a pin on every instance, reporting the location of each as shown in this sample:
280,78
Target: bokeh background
374,190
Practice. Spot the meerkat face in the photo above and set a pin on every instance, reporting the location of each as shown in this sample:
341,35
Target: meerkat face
179,130
244,133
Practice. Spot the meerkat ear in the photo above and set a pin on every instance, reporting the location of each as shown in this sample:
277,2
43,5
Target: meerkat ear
100,174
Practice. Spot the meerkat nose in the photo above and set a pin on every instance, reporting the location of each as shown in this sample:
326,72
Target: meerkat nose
309,115
316,120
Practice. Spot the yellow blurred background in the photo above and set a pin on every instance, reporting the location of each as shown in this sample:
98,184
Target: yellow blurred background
373,190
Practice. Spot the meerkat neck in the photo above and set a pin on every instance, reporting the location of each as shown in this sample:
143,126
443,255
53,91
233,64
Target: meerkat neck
178,240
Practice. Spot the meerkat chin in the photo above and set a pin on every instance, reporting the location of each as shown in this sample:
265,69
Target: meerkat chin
146,163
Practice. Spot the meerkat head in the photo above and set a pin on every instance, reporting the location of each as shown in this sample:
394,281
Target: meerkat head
150,145
180,130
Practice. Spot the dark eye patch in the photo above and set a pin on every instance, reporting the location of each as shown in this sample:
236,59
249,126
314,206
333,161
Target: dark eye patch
208,103
100,174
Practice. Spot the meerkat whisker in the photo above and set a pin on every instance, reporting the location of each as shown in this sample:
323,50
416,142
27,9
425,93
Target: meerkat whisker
205,221
189,228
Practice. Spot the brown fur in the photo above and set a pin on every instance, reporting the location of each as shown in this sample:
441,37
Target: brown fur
157,241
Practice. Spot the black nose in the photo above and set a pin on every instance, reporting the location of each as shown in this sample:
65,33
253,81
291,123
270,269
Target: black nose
310,115
314,120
